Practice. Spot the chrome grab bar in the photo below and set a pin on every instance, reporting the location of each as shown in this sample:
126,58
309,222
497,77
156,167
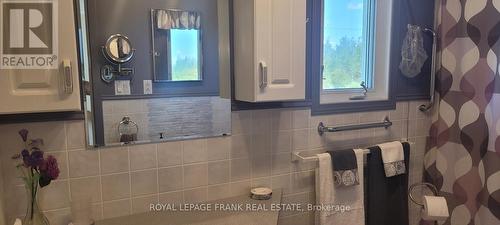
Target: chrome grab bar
427,107
322,128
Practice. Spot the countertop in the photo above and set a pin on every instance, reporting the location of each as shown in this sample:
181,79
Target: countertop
217,212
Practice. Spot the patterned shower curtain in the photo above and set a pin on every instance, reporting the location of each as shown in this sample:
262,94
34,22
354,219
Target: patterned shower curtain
463,152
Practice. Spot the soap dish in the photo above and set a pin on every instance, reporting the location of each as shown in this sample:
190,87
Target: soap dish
261,193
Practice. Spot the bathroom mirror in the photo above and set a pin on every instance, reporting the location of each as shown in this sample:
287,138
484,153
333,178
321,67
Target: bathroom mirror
149,107
118,49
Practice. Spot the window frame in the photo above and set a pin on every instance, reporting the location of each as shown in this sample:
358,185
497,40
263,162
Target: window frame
368,54
370,104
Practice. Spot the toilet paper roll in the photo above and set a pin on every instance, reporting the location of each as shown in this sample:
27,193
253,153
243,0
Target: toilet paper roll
435,208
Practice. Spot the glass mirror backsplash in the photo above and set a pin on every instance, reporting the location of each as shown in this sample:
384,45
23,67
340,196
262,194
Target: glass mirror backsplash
165,119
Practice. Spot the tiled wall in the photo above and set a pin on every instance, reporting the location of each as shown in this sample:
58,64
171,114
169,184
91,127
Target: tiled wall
125,180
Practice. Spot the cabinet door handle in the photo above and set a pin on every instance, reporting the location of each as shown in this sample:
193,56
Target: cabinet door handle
67,78
263,75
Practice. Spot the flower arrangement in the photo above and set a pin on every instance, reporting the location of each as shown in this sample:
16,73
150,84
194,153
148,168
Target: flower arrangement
37,171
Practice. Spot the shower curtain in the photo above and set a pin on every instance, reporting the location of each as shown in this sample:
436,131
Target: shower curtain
463,151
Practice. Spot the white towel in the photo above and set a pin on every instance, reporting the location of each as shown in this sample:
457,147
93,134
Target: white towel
347,204
393,158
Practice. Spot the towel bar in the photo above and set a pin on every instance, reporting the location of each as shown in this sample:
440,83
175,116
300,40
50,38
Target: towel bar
296,156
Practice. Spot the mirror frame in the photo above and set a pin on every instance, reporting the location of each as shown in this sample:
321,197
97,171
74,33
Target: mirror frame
110,56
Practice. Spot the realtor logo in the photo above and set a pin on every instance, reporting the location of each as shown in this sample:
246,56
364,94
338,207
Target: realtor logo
29,34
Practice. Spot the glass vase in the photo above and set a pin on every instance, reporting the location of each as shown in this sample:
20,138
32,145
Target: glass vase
34,214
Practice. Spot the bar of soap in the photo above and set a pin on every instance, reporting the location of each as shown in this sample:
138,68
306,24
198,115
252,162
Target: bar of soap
261,193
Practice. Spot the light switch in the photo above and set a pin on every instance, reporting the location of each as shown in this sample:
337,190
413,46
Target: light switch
148,87
122,87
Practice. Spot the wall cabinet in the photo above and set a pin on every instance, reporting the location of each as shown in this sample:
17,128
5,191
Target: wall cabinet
270,50
47,79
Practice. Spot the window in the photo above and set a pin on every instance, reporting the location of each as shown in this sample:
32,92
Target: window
184,51
355,50
177,45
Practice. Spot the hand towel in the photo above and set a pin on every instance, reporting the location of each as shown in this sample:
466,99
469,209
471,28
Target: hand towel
346,204
393,158
345,168
387,197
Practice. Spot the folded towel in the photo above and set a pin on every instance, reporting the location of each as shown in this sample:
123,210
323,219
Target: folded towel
345,168
393,158
347,204
387,198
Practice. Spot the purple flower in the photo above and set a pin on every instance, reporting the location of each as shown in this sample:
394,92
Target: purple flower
24,134
26,157
49,168
35,159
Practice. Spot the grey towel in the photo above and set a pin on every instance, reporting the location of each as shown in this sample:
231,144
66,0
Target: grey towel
345,168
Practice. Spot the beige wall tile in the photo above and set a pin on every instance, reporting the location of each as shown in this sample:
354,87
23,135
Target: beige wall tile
194,151
262,182
169,154
116,208
281,163
261,144
195,195
83,188
283,182
303,181
59,217
240,188
241,122
171,198
75,132
218,172
300,118
218,148
300,139
262,121
83,163
144,182
114,160
281,119
115,187
240,169
97,211
241,146
142,204
195,175
281,141
55,196
142,157
261,166
373,117
170,179
217,192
